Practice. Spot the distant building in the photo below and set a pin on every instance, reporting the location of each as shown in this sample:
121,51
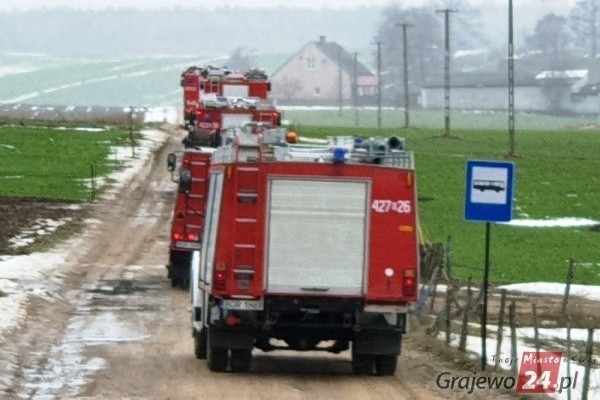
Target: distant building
547,91
321,73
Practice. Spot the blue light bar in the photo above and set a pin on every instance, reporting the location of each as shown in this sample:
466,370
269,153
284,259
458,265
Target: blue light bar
339,155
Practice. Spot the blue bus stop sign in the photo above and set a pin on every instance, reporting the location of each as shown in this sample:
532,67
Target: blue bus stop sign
489,191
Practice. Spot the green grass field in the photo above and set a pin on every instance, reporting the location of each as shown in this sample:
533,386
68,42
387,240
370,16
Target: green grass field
51,163
558,175
434,119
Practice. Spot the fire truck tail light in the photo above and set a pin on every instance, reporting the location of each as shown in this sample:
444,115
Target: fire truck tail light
233,320
177,236
409,283
192,237
220,280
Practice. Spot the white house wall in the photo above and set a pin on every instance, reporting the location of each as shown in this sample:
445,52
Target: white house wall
315,84
527,98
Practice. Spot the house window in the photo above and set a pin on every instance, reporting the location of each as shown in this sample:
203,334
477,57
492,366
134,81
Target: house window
317,91
310,63
366,90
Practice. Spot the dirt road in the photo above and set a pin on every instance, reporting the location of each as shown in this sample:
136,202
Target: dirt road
115,329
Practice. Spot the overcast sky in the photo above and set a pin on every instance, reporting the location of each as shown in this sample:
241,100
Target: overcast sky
9,5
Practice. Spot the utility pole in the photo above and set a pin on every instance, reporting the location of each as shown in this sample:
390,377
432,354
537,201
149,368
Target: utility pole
355,89
340,95
447,12
378,85
511,84
405,27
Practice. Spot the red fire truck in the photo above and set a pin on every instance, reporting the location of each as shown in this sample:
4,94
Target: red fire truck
305,245
217,98
188,215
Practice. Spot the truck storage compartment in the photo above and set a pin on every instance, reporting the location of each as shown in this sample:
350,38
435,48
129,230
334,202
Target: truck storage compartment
316,236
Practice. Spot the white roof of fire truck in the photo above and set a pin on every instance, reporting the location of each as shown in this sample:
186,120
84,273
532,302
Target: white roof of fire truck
212,100
258,142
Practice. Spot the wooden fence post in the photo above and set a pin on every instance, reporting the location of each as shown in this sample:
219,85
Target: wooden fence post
92,183
569,357
513,335
570,276
448,310
589,350
500,332
462,345
448,256
433,294
536,336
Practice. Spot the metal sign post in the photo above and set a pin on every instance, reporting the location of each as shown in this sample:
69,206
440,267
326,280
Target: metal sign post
488,198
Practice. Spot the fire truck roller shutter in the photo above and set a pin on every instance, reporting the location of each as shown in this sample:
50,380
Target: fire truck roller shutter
317,236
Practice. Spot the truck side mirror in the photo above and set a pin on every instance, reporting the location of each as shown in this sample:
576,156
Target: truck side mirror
185,181
171,162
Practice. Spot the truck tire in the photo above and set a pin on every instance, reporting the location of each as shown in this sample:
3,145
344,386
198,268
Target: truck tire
241,360
218,357
200,344
362,364
386,364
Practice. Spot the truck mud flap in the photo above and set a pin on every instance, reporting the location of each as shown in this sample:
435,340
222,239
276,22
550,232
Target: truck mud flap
233,338
377,342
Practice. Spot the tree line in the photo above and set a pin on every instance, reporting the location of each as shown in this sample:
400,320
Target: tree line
555,43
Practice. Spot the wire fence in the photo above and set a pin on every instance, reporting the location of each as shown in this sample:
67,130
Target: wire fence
521,326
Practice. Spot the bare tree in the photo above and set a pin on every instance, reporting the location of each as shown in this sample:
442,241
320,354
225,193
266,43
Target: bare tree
585,24
240,60
426,43
553,39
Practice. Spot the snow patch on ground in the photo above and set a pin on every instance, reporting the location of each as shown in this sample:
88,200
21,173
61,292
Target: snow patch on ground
40,227
15,70
81,129
553,222
554,289
25,275
162,114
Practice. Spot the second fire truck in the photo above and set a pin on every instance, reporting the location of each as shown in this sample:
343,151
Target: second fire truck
217,98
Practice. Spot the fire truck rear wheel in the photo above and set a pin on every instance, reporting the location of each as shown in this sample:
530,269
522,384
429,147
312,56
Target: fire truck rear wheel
362,364
386,364
200,344
241,360
218,357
